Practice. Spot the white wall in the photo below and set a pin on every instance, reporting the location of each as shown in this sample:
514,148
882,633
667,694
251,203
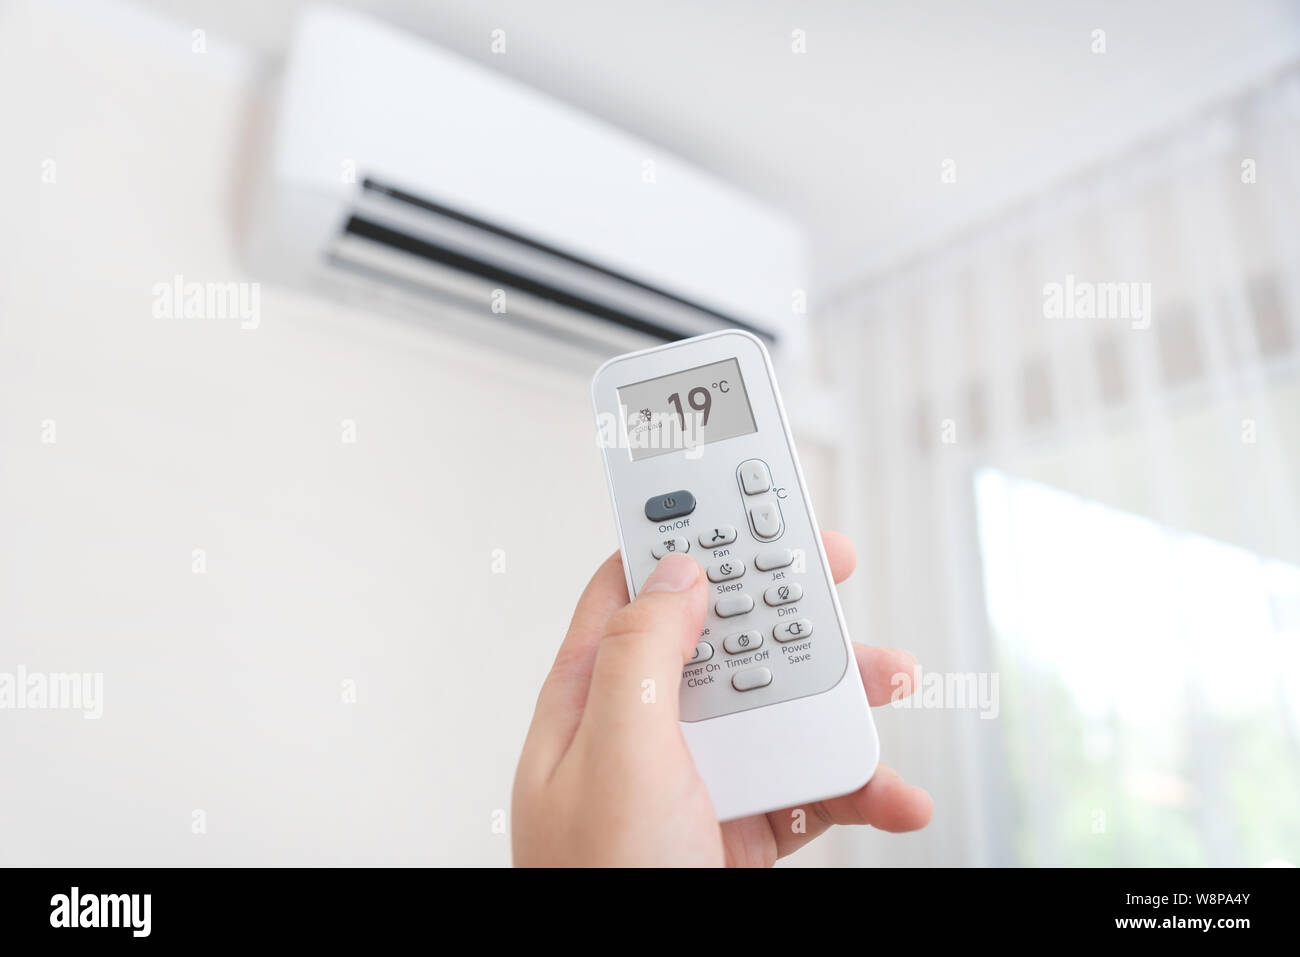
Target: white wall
325,561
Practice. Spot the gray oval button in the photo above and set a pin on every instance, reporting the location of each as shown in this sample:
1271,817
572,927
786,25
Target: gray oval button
670,545
734,605
670,505
703,652
742,641
754,477
765,520
726,570
773,558
751,679
783,594
715,537
793,630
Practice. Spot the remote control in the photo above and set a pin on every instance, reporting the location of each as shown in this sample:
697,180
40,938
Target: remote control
699,458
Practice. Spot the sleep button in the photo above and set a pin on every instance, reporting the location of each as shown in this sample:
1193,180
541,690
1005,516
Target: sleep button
670,505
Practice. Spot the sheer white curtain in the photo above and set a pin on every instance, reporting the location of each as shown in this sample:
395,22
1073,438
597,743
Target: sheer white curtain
1094,500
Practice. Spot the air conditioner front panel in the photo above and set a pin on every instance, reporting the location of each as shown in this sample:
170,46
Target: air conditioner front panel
359,99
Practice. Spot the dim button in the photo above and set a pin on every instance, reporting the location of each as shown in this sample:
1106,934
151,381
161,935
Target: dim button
783,594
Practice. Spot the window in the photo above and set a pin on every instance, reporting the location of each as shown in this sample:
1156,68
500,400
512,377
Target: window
1150,683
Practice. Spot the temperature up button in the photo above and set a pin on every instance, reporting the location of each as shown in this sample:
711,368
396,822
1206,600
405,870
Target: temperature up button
754,477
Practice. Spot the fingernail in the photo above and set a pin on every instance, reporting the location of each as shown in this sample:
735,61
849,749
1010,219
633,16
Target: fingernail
673,573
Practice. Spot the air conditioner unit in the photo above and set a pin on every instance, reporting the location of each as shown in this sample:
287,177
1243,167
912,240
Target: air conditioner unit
420,178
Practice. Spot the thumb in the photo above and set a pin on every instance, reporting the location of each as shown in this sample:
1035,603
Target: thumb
638,671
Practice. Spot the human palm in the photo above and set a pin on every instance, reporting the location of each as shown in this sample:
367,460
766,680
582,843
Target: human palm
605,777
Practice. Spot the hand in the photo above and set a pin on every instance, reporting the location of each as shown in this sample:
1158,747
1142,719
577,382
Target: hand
605,778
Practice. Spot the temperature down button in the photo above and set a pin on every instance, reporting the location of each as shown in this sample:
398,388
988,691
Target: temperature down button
766,520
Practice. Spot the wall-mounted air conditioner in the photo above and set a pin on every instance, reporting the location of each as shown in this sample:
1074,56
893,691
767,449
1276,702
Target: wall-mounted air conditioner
428,179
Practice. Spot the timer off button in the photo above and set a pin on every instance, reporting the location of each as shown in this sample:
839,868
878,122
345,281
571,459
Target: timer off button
670,505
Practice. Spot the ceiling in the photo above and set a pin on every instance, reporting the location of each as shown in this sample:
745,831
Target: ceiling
849,137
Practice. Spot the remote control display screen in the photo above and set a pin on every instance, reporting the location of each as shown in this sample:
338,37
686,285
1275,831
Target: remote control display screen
686,409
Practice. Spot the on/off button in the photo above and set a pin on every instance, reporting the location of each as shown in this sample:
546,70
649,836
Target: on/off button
670,505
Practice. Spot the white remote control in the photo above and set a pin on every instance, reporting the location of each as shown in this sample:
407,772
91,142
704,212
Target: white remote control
700,460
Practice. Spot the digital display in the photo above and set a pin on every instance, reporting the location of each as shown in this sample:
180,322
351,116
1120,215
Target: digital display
685,410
